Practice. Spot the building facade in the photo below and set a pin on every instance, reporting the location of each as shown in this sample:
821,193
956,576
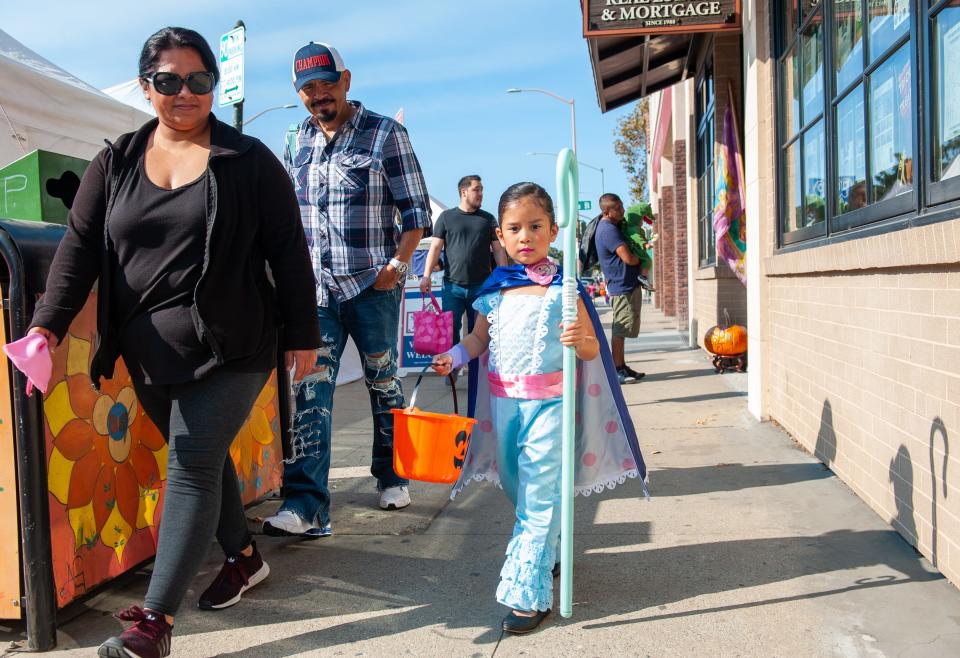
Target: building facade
848,121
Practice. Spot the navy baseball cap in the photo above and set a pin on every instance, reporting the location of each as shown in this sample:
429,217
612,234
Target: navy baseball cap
316,61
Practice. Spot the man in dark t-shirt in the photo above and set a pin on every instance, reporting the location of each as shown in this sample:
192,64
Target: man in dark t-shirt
465,234
621,269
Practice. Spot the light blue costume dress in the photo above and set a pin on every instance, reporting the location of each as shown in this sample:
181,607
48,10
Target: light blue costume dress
525,347
516,443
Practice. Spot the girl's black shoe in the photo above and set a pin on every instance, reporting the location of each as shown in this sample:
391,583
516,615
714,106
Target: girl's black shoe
514,623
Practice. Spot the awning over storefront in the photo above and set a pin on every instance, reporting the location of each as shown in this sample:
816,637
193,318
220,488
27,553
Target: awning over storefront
627,68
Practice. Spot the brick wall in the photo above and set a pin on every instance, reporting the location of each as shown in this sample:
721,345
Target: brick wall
667,285
679,273
657,262
864,371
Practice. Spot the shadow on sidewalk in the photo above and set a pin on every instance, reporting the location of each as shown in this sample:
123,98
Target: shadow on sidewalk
719,395
662,576
456,590
732,477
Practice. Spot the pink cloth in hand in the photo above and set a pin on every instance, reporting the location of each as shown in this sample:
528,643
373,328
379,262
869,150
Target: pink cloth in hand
31,356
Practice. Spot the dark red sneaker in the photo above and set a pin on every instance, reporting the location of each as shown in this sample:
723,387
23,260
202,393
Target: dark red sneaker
238,574
148,637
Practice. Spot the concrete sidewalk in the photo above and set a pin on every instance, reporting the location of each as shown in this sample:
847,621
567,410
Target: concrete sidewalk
749,547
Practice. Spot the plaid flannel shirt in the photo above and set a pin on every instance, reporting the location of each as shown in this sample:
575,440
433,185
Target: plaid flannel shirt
351,189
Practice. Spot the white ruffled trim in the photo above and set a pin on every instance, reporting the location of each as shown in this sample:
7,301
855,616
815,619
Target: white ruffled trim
493,329
476,477
582,490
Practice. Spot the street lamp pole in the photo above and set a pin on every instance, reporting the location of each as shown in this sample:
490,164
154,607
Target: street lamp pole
568,101
269,109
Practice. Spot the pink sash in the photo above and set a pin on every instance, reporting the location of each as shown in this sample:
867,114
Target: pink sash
526,387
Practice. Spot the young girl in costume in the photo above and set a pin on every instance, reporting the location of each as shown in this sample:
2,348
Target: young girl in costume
516,443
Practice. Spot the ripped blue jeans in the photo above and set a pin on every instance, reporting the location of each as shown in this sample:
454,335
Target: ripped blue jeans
371,319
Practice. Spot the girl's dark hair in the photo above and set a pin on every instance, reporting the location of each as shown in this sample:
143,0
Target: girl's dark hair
519,191
176,37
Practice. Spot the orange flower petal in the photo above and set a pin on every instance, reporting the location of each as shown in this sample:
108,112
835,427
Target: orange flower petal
149,435
128,493
75,439
145,466
104,495
83,479
82,395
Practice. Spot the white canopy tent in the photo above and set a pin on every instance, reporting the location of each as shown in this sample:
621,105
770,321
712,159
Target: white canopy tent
130,93
44,107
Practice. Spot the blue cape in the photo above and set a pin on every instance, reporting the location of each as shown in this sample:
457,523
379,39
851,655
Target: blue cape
607,450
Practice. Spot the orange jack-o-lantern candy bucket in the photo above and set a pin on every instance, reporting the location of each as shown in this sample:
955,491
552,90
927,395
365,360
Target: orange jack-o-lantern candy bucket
428,446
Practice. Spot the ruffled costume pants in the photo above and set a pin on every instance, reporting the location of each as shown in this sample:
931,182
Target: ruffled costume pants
528,460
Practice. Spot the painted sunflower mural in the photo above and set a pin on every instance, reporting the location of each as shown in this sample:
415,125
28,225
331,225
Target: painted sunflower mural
108,460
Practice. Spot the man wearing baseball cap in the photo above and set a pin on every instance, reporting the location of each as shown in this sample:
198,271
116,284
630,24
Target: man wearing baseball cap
364,206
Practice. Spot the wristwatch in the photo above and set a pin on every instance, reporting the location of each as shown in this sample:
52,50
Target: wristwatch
399,266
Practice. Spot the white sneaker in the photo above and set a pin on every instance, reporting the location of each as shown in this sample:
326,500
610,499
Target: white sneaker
394,497
286,523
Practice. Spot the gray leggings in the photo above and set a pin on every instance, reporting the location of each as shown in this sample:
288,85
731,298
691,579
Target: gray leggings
199,420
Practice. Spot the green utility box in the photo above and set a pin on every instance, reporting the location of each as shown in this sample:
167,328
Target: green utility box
40,186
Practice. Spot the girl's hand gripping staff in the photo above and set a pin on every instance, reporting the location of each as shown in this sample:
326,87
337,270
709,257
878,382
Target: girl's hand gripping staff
568,194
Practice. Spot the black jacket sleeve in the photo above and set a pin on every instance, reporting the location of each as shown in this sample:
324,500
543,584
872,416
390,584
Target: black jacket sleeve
285,248
76,265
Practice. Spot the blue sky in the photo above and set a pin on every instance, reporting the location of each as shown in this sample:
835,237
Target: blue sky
447,63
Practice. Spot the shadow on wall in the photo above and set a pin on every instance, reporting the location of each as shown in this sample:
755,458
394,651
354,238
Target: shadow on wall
826,448
901,475
937,428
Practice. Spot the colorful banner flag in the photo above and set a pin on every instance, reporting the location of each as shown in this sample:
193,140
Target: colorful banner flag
729,214
399,116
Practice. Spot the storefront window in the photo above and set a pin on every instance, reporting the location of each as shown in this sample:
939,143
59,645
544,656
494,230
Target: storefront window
849,158
791,96
793,201
889,20
848,41
814,154
811,81
851,184
946,52
891,139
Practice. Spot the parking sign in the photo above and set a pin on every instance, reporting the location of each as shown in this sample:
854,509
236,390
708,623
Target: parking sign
231,66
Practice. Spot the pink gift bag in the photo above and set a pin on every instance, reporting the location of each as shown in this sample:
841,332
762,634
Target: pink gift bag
432,329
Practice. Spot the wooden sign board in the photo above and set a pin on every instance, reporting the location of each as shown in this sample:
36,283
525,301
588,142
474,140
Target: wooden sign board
608,18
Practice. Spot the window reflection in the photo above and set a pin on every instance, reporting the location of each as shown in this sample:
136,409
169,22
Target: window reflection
851,153
947,104
811,81
891,139
848,39
814,157
791,92
889,20
793,204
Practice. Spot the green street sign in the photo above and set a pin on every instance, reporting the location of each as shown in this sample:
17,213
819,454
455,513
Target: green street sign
586,205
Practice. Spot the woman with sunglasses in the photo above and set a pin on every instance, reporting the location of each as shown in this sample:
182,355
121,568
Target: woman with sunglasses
179,222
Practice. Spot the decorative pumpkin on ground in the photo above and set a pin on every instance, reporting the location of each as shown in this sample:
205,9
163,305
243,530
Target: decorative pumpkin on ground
728,344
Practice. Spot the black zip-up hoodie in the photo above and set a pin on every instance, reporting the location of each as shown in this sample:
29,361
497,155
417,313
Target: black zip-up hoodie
253,220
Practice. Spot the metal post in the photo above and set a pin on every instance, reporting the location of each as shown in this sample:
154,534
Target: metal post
573,124
238,107
39,592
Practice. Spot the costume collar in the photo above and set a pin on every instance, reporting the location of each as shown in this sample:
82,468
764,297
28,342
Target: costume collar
513,276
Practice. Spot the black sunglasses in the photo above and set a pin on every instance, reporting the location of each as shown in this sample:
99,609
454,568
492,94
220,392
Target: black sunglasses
170,84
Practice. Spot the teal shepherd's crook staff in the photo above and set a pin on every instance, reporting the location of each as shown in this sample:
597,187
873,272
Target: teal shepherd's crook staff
568,195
